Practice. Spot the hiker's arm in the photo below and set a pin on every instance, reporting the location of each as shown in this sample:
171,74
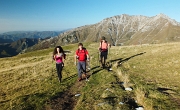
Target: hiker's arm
54,57
109,45
88,57
75,58
99,46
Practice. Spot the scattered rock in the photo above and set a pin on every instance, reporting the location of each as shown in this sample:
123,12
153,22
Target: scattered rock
77,95
121,103
107,89
128,89
140,108
110,69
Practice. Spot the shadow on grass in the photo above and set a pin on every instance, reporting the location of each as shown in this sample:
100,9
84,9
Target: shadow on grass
94,67
57,95
126,59
70,77
164,90
121,60
94,72
111,100
131,102
30,102
116,60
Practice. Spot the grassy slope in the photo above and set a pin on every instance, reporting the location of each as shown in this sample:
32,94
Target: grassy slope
29,80
151,70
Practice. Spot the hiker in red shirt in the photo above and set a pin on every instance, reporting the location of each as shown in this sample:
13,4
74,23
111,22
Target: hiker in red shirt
81,55
103,48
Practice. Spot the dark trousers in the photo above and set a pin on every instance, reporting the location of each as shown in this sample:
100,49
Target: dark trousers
59,68
103,57
81,66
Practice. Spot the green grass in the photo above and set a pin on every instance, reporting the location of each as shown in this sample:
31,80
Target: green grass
29,81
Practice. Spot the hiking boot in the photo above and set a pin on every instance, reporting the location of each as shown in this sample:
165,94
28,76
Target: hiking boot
101,66
104,66
79,79
84,76
87,79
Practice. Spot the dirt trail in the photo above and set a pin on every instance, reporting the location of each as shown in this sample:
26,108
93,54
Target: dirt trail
67,100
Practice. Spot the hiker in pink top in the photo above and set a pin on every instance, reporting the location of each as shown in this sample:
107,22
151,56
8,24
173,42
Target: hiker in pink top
58,56
103,48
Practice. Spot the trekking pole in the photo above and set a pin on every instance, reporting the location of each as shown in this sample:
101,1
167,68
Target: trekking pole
52,72
98,59
88,63
110,59
52,67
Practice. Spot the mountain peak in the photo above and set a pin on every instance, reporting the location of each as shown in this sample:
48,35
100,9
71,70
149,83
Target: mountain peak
161,15
125,30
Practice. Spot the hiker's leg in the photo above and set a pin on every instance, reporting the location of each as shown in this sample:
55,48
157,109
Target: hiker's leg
79,69
86,63
83,65
58,68
60,72
105,57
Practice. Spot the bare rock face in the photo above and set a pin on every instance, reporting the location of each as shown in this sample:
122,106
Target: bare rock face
124,30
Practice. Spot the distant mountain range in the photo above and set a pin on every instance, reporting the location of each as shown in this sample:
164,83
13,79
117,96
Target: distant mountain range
13,43
9,37
16,47
124,30
119,30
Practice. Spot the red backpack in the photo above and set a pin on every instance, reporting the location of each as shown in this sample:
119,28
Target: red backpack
104,50
82,51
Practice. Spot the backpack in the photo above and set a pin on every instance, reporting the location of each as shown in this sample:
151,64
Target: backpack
83,52
104,50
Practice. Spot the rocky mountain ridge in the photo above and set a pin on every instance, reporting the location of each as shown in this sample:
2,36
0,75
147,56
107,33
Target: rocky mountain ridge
120,30
125,30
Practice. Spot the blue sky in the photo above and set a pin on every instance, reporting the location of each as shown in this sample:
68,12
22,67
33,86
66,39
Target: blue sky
54,15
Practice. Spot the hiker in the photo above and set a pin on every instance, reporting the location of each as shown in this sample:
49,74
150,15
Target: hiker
103,48
59,57
81,55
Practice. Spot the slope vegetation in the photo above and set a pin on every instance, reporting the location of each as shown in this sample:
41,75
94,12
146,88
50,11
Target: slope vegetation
29,81
126,30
